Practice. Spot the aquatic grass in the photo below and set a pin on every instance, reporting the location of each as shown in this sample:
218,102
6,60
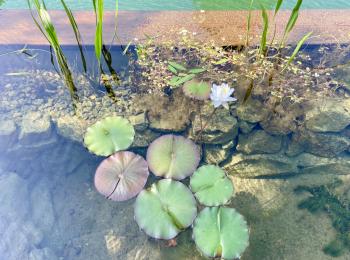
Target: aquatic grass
48,30
76,31
291,22
98,8
249,20
263,40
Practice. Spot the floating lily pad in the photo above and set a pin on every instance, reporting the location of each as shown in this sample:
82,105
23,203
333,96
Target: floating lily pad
165,209
121,176
197,89
172,156
211,186
109,135
221,232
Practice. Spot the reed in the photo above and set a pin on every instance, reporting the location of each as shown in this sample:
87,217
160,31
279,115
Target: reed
46,27
98,8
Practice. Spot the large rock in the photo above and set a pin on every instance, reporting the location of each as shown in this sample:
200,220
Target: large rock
321,144
139,121
332,115
259,142
214,126
216,154
8,134
252,111
35,128
246,127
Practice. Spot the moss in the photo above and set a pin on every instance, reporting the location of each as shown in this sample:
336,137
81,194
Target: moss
323,199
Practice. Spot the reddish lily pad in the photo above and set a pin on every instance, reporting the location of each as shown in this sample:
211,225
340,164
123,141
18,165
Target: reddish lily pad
121,176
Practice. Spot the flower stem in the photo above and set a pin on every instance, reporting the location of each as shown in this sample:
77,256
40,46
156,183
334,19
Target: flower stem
200,135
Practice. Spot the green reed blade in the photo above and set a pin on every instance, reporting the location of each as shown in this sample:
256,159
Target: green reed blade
291,22
249,18
265,31
76,33
296,50
278,6
99,24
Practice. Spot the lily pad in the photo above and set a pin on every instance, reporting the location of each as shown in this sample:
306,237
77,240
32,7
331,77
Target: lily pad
221,232
172,156
121,176
109,135
165,209
211,186
197,89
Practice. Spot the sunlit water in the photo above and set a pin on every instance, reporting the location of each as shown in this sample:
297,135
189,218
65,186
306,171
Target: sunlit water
49,208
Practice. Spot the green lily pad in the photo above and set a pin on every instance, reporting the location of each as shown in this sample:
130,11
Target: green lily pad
221,232
172,156
165,209
110,135
211,186
197,89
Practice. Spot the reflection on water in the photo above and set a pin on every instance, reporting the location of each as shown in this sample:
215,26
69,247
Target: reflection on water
49,208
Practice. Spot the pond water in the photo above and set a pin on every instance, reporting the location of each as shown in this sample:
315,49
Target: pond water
284,143
157,5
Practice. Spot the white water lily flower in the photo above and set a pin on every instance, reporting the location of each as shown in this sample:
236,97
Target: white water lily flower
221,95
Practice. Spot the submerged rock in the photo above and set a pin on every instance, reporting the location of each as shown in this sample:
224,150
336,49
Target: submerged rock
219,127
259,142
246,127
35,127
8,134
252,111
330,115
215,154
139,121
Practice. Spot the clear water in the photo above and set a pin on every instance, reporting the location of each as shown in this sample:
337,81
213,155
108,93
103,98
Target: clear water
156,5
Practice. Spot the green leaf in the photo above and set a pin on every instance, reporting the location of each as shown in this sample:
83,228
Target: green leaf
177,66
278,6
249,18
197,70
222,61
196,89
292,21
173,80
264,34
99,26
185,79
296,50
172,69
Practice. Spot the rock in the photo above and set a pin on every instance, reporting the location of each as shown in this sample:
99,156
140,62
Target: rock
215,154
42,254
42,208
35,128
218,128
331,115
8,134
144,138
140,121
279,125
71,127
321,144
249,166
252,111
259,142
246,127
13,196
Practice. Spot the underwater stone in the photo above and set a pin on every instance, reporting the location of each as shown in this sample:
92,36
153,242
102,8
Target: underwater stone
144,138
330,115
248,166
8,134
35,127
252,111
215,154
42,254
246,127
321,144
220,128
259,142
139,121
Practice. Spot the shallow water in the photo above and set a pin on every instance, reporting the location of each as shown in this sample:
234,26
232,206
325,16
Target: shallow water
49,208
157,5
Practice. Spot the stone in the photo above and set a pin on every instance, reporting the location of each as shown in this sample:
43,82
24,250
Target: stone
42,254
259,142
246,127
139,121
143,139
219,126
41,207
34,128
250,166
276,125
321,144
13,196
331,115
8,134
252,111
216,154
71,127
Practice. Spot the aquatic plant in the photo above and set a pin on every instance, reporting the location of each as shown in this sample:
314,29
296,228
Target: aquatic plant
165,209
182,74
221,95
172,156
221,232
47,28
121,176
109,135
323,199
211,186
196,89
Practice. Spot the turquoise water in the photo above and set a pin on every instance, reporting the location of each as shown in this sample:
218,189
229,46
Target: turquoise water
155,5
